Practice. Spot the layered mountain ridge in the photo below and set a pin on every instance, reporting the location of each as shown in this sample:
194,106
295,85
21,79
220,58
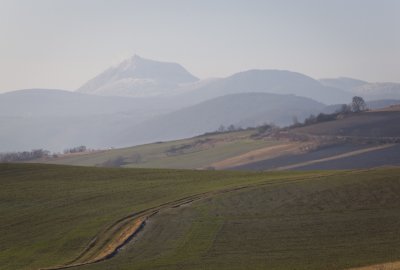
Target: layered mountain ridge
141,100
368,90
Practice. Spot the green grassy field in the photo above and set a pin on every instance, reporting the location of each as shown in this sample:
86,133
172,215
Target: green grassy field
49,213
193,153
279,220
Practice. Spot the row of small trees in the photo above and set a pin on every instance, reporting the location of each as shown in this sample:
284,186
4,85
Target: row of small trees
24,156
78,149
36,154
261,128
357,105
229,128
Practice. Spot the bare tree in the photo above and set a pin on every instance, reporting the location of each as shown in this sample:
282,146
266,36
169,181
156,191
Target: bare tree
358,104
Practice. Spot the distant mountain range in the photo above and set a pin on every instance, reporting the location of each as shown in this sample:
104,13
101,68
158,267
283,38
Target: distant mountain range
142,100
140,77
367,90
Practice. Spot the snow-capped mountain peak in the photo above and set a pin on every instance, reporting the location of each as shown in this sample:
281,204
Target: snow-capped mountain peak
140,77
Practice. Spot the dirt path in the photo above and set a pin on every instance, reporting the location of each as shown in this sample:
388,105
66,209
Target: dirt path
110,240
348,154
382,266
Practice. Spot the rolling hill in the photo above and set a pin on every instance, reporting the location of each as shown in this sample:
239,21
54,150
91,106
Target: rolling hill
192,153
67,119
268,81
100,218
243,110
370,124
57,119
360,140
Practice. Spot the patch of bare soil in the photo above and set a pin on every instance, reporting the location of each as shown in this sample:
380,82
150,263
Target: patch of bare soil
263,154
382,266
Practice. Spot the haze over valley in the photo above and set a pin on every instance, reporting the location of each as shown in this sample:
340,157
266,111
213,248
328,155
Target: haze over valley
142,101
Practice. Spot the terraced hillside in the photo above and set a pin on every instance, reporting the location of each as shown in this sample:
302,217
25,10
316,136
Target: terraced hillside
55,216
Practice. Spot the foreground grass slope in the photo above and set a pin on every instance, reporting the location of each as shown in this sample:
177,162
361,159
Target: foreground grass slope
335,222
282,220
49,213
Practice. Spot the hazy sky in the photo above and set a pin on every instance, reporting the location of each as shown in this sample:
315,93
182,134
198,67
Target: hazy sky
63,43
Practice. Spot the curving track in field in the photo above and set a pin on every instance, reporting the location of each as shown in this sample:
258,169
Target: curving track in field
381,266
110,240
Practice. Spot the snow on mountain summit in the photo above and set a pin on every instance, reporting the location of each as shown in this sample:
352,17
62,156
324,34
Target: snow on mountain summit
139,77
